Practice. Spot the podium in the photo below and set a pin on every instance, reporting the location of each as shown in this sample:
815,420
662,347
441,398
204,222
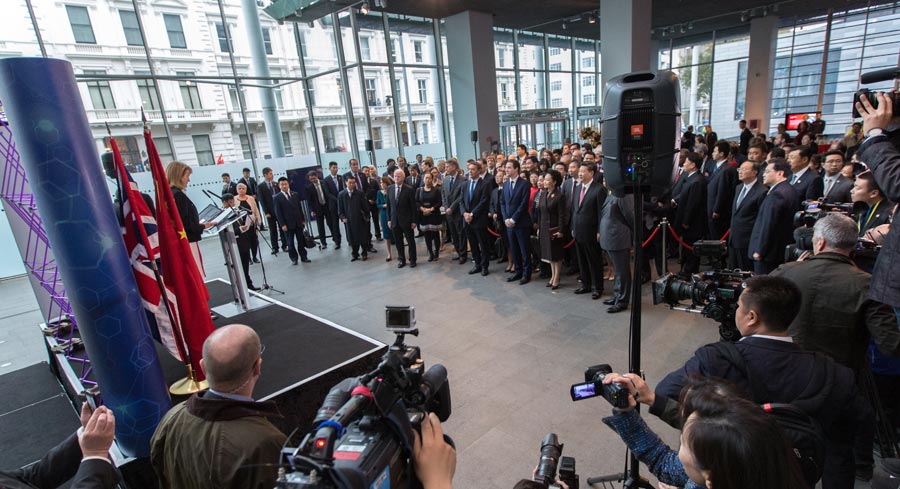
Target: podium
225,218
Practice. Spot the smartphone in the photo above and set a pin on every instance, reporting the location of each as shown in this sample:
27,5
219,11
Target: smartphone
585,390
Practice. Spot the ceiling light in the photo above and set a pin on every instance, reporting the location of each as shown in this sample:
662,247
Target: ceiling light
592,19
682,28
691,25
745,16
364,8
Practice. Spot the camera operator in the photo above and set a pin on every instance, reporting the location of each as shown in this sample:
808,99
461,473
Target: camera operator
727,441
782,371
879,151
878,209
435,458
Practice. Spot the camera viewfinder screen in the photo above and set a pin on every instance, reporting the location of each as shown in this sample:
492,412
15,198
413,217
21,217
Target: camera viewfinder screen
581,391
398,318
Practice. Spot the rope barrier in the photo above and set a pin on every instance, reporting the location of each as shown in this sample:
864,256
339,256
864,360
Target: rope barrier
492,232
650,238
678,238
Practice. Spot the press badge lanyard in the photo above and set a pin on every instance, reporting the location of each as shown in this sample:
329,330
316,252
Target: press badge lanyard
869,213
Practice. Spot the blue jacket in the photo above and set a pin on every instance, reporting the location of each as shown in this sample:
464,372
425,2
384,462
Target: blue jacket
514,202
662,461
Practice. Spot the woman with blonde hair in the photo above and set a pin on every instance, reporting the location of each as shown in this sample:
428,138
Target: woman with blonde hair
179,176
248,203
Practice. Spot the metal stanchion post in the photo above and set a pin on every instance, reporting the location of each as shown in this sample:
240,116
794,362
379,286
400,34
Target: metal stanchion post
664,230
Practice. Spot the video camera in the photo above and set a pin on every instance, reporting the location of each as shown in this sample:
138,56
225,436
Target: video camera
363,433
713,294
593,386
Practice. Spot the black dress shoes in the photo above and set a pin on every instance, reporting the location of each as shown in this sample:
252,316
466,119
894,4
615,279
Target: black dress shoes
354,258
365,257
525,280
582,290
484,273
401,264
254,288
609,302
617,308
412,264
293,262
475,270
514,278
463,259
337,246
306,260
596,295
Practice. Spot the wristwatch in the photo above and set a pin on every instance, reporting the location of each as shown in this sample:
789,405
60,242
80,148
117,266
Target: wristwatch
875,131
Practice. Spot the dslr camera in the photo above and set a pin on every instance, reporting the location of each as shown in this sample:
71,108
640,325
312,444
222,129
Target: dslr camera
363,433
805,219
713,294
552,467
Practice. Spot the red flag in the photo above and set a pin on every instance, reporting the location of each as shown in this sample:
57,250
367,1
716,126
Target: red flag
142,242
220,160
178,265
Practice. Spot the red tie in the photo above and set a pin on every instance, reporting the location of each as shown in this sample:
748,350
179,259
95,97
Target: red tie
583,190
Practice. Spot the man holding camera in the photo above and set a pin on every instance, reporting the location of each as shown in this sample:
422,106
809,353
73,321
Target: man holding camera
877,210
879,152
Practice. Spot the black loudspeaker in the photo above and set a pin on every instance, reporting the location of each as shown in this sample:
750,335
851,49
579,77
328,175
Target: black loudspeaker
474,136
370,145
641,121
109,164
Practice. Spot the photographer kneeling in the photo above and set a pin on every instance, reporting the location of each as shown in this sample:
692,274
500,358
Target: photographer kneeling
727,441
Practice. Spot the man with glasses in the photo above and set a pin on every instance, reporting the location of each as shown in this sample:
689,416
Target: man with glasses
837,186
221,438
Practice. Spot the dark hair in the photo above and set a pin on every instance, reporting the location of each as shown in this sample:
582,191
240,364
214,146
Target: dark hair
736,441
833,152
245,170
348,178
761,147
776,300
415,167
744,121
544,164
227,196
871,184
777,153
587,147
723,147
266,170
524,148
711,138
805,151
557,177
226,175
387,180
590,166
332,163
282,179
390,161
515,163
695,158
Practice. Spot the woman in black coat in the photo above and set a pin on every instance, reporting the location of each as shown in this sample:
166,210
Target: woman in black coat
554,220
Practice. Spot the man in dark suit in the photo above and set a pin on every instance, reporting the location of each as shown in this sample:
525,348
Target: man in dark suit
362,185
748,197
334,184
720,191
690,210
569,193
372,197
586,213
808,184
414,180
249,181
474,206
781,371
746,136
82,458
837,186
290,216
514,210
774,226
403,217
267,191
228,187
317,201
450,198
354,211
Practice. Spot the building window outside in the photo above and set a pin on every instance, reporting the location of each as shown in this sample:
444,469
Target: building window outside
81,24
365,50
588,99
131,28
204,151
147,91
248,146
587,81
223,41
371,93
233,96
556,102
395,50
423,132
328,138
101,94
501,58
164,148
311,88
423,91
555,86
175,31
554,51
190,94
418,46
504,93
267,40
587,62
286,140
376,138
555,66
279,97
740,91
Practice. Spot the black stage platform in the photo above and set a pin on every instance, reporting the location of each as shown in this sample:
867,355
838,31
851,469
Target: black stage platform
35,415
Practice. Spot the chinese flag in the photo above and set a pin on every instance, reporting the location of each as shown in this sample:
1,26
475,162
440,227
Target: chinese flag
178,265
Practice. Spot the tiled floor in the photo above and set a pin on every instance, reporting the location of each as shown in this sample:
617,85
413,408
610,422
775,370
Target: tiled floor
511,351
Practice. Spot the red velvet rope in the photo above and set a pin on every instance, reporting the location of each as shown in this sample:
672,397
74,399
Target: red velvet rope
650,238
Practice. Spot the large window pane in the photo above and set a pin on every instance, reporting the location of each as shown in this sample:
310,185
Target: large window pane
729,86
81,24
203,150
317,40
131,28
532,86
560,53
147,91
175,31
100,92
506,90
531,52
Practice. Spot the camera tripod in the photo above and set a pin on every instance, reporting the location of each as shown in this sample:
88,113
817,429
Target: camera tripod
265,288
631,476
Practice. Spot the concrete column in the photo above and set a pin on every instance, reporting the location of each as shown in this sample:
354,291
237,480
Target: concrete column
761,72
261,69
470,47
624,37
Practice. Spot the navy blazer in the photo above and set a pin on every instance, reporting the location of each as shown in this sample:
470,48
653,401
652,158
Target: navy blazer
810,186
586,217
720,193
774,226
743,217
514,202
786,374
478,203
288,212
840,190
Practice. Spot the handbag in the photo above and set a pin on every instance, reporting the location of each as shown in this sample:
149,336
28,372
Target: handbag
308,241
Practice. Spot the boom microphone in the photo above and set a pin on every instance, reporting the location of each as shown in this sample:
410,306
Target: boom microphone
879,75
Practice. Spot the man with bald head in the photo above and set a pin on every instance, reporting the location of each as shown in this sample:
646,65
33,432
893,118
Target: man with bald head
221,438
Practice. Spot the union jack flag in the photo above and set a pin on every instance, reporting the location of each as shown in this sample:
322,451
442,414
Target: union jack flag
142,242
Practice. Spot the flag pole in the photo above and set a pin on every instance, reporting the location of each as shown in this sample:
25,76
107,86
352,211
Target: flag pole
189,384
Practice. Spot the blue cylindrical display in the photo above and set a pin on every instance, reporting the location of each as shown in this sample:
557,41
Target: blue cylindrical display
52,134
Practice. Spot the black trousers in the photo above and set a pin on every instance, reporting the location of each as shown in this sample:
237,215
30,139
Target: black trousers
401,234
376,221
295,242
478,242
244,246
320,227
334,225
433,243
590,264
274,232
764,267
737,258
457,237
